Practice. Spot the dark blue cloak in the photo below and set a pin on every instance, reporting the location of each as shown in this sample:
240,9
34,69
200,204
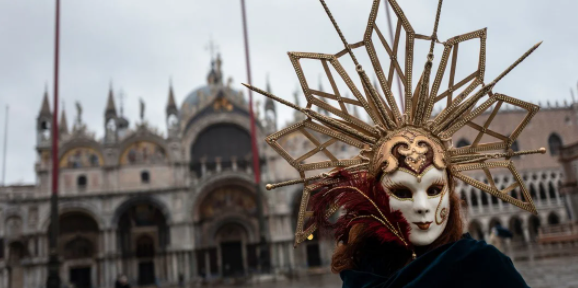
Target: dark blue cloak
465,263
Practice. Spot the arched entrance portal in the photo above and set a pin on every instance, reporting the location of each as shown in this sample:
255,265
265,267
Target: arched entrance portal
143,236
17,251
78,243
515,226
232,239
226,219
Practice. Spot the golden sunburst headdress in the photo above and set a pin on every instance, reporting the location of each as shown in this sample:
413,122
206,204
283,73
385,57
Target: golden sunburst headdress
463,100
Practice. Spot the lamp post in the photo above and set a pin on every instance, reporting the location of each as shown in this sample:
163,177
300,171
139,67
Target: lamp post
263,247
53,280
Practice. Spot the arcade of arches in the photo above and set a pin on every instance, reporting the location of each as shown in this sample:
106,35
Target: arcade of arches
141,234
523,230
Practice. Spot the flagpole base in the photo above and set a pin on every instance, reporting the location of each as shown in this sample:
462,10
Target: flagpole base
53,280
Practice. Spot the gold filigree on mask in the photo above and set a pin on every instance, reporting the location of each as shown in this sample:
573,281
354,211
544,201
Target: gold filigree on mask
414,155
413,145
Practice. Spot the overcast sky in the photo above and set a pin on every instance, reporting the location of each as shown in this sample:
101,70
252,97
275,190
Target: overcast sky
140,44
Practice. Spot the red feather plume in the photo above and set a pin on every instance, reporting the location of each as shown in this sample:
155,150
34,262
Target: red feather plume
355,205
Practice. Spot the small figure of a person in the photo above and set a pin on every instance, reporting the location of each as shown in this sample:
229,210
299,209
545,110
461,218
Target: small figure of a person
495,239
121,282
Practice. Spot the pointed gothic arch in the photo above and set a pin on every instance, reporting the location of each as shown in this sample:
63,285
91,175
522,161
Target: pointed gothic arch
543,195
474,197
553,218
551,190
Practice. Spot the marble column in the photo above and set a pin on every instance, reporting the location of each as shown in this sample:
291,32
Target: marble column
281,263
526,230
208,272
478,194
175,273
186,266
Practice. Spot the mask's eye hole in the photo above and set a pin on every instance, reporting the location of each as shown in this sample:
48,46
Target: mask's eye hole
401,192
434,190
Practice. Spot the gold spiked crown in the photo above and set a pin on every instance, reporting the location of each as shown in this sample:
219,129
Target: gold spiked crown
418,129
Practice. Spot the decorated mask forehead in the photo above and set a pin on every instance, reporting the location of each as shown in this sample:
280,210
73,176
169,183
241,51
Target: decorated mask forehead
409,149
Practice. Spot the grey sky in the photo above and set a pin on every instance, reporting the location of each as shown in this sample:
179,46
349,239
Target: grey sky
140,44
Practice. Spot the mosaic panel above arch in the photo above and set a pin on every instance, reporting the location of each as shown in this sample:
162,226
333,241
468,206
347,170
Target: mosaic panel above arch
143,152
81,157
228,199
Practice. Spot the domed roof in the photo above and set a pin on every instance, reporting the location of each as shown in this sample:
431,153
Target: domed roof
192,98
214,88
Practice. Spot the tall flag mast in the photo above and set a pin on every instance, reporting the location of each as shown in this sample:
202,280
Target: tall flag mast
53,280
264,251
5,144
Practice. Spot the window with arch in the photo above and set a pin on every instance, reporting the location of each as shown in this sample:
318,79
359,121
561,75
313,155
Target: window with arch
494,199
463,143
514,194
484,198
554,144
45,129
533,192
227,142
111,125
515,147
474,198
145,177
542,192
81,181
173,121
553,219
551,190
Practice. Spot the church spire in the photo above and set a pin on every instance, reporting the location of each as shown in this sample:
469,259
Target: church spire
269,103
171,103
110,111
63,125
45,108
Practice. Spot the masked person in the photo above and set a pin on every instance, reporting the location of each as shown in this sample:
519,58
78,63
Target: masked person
399,220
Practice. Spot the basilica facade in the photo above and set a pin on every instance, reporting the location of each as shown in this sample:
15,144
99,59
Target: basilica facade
181,206
160,208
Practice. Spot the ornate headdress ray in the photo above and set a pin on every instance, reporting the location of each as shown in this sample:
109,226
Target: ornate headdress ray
387,121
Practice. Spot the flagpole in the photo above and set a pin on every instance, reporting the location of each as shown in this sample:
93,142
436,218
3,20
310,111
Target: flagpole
53,280
264,249
5,144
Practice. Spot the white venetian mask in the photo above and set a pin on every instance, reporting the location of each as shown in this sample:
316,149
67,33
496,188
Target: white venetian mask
423,202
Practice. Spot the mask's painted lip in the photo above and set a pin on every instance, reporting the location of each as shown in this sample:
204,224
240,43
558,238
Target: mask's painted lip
423,225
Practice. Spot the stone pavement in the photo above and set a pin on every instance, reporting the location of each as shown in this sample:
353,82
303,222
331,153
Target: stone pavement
560,272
